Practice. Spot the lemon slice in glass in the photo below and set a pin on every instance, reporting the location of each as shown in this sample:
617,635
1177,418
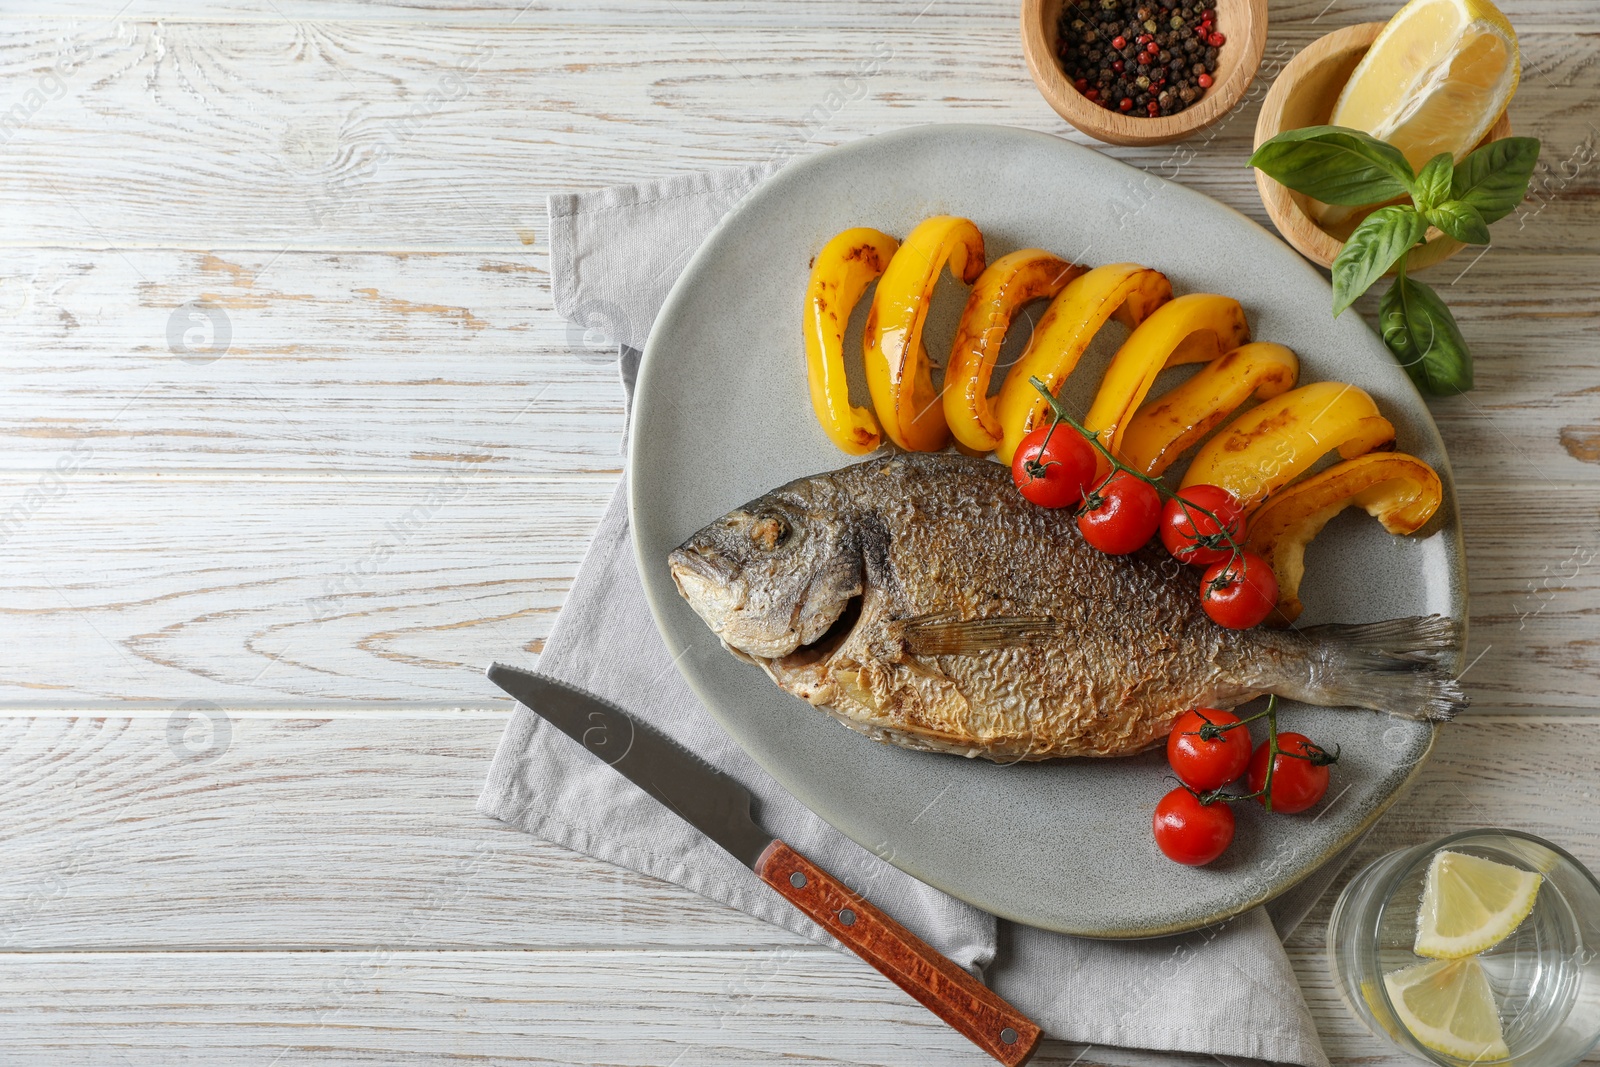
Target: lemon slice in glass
1470,904
1448,1006
1438,76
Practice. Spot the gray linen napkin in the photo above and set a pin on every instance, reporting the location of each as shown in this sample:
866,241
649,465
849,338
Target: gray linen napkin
1226,992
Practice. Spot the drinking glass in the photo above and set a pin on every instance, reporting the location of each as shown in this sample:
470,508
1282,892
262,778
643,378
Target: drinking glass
1545,975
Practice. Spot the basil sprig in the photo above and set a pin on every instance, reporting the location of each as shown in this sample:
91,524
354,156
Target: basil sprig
1343,166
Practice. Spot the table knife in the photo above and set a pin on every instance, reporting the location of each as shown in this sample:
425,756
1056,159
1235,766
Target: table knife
719,807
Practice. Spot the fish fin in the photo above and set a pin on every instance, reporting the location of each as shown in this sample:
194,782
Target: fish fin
1397,666
943,635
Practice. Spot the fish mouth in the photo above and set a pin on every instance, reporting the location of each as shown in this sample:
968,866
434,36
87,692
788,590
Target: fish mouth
831,639
708,568
705,582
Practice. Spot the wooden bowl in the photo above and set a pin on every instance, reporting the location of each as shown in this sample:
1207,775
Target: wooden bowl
1304,95
1243,22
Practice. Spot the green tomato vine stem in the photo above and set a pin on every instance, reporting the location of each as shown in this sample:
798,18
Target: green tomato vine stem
1223,536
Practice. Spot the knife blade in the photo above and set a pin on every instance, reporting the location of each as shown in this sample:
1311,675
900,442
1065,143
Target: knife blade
719,807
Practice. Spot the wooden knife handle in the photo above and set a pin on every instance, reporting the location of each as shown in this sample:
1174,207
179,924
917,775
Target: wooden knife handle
904,958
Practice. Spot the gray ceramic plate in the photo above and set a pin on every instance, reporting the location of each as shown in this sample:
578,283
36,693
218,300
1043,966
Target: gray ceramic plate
722,415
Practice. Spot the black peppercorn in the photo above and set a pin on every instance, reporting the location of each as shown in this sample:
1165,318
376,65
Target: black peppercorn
1160,59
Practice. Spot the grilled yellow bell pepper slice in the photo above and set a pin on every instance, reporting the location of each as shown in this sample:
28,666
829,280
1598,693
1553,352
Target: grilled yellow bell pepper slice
1398,490
1126,291
1274,442
1193,328
839,275
1166,427
897,364
1002,289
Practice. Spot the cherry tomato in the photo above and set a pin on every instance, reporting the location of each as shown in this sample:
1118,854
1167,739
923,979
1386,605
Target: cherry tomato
1193,537
1122,514
1239,593
1053,469
1299,776
1191,832
1207,763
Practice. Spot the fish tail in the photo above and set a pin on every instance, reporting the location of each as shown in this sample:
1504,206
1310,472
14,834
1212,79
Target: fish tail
1398,666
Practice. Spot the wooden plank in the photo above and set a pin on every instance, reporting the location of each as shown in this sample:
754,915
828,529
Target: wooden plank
239,831
524,393
255,832
288,591
338,135
1525,14
396,1006
407,363
265,591
354,838
339,363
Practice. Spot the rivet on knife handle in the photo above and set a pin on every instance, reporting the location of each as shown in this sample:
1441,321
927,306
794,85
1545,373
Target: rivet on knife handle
904,958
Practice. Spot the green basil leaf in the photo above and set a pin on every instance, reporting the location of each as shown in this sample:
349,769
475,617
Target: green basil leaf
1460,220
1424,337
1494,179
1432,186
1335,165
1382,238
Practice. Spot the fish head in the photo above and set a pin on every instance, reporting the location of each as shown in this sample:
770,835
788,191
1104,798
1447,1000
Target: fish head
771,577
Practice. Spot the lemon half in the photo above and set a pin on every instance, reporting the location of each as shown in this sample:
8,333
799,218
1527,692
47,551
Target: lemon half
1438,76
1448,1006
1471,904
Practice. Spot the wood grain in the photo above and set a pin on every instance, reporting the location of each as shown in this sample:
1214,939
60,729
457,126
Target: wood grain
350,364
269,592
353,837
288,591
967,1006
317,537
341,135
1527,14
301,833
402,1006
344,364
339,833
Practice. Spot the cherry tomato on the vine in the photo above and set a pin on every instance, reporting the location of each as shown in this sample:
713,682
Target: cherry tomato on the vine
1190,832
1053,469
1299,776
1195,538
1239,593
1207,763
1121,515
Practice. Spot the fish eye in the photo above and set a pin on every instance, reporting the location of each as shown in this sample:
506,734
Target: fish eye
768,532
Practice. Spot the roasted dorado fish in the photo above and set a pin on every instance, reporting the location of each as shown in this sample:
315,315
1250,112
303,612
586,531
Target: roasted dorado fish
920,600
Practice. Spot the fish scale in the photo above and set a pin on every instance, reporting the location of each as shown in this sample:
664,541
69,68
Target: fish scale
919,599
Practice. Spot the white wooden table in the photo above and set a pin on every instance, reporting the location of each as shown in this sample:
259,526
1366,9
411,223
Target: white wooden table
293,443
